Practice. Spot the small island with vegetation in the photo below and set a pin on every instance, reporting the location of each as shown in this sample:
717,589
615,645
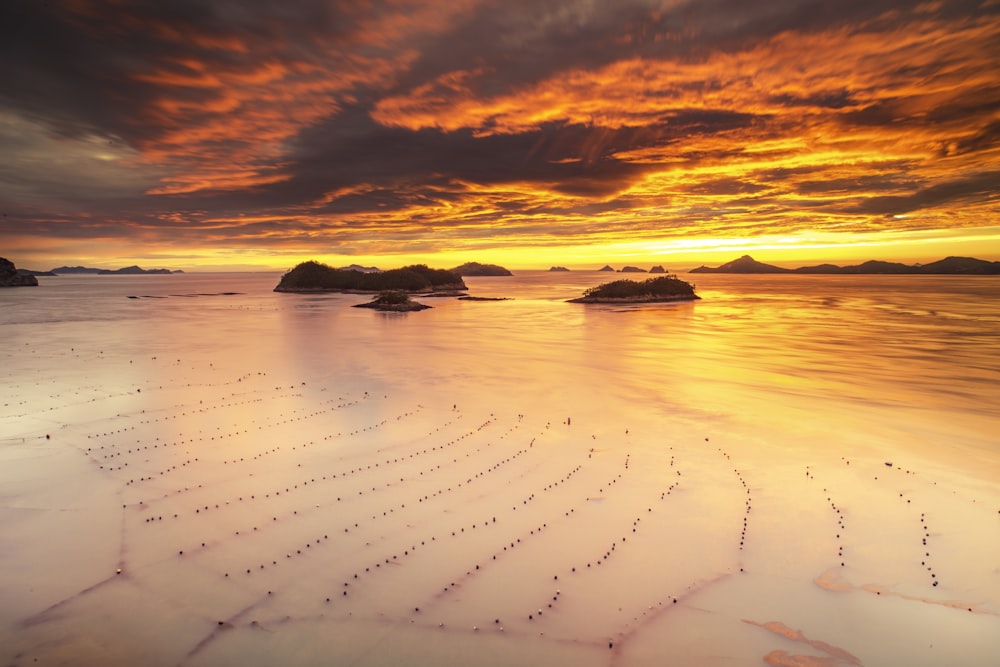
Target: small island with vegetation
396,301
477,269
558,268
652,290
317,277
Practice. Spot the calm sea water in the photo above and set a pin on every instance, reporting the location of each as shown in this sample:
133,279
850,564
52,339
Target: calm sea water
196,470
911,358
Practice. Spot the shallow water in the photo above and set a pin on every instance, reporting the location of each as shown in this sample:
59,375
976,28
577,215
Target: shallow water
703,483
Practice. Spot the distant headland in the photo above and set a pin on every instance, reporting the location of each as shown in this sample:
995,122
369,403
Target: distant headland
651,290
317,277
477,269
86,270
968,266
134,271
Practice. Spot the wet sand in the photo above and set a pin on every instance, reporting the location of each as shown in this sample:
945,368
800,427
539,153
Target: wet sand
220,507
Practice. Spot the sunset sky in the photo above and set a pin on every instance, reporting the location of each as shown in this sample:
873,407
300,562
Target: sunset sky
250,134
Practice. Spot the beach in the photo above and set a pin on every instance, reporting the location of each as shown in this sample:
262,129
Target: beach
214,474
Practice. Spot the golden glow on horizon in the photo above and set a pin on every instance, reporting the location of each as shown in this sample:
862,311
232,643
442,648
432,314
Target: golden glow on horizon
678,255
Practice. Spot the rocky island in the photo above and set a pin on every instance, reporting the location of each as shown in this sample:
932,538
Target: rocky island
606,267
317,277
652,290
558,268
10,276
395,301
477,269
631,269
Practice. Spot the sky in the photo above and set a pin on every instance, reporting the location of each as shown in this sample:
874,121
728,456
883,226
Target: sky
251,134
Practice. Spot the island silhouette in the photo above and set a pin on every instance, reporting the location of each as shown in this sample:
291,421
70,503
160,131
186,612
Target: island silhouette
947,266
651,290
393,301
11,276
314,276
477,269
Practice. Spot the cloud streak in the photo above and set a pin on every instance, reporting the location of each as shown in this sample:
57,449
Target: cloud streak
344,127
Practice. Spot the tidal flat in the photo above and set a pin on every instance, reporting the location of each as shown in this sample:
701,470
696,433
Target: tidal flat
792,471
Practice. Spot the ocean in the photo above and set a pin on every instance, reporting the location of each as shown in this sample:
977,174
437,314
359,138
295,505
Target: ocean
195,470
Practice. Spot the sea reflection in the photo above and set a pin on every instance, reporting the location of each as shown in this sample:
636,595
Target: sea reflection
795,470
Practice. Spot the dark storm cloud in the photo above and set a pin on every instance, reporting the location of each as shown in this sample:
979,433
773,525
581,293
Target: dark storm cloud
975,186
573,159
76,65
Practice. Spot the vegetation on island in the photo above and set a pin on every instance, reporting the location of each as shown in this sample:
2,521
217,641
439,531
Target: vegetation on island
317,277
393,300
662,288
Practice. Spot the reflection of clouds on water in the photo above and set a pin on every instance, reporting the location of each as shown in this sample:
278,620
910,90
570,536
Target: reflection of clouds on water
289,484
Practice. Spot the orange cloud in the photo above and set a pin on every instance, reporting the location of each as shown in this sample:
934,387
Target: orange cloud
459,125
836,106
808,70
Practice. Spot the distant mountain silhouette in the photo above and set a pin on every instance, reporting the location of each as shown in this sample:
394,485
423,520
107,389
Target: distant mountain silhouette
962,265
127,270
134,271
477,269
820,268
947,266
362,269
558,268
874,266
606,267
745,264
75,269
